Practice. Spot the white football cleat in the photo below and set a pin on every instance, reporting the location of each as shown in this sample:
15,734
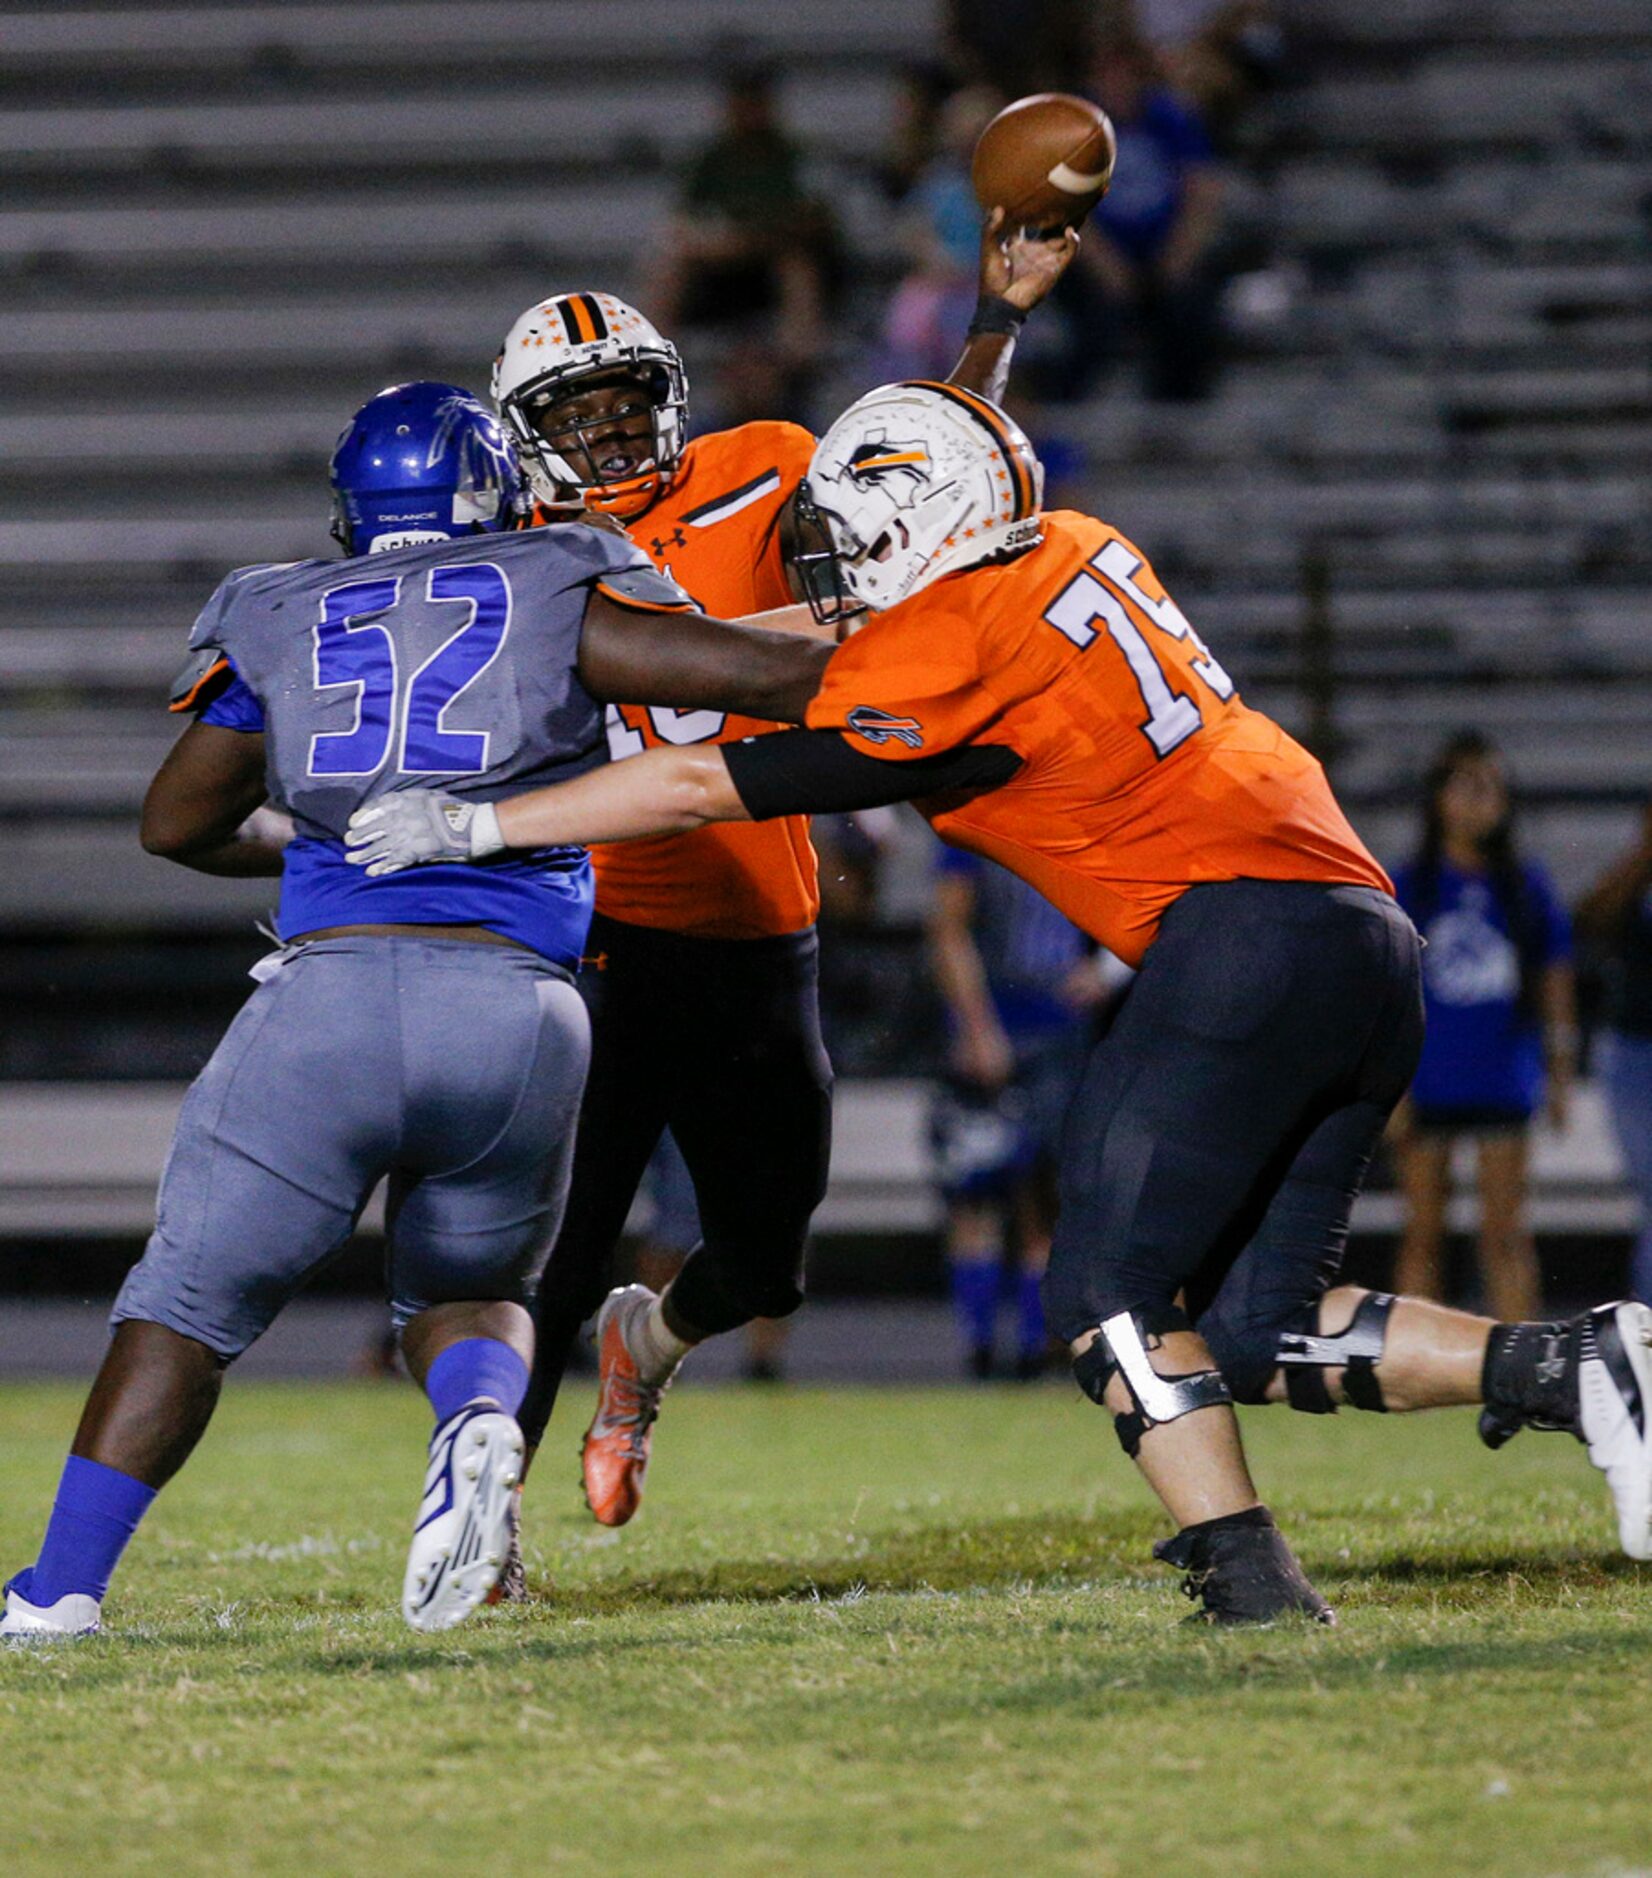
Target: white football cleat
1614,1392
75,1615
463,1531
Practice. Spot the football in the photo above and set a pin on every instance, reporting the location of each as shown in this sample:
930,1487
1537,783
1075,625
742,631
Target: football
1045,160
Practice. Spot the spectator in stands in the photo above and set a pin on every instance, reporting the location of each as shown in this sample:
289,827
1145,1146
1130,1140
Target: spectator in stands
1220,54
1023,989
930,311
1146,260
750,384
1615,916
749,242
1497,983
877,1012
1021,45
914,138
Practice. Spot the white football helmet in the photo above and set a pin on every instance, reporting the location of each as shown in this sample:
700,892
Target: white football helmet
556,349
913,481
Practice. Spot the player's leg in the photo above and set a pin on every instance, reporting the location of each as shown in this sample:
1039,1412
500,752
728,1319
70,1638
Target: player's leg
674,1222
1034,1222
1257,1002
1048,1076
1588,1376
751,1111
1509,1276
1423,1160
636,1356
753,1117
766,1339
632,1007
495,1047
975,1274
977,1146
254,1197
1282,1329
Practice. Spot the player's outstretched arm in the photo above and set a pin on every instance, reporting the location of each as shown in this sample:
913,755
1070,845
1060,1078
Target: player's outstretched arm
1018,270
693,662
211,782
664,792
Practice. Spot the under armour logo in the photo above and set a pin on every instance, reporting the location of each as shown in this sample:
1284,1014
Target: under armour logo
879,727
676,539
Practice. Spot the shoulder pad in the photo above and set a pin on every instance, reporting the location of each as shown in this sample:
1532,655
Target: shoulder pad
646,589
205,673
209,623
795,448
773,441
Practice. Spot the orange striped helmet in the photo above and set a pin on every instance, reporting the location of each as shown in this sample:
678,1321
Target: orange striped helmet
570,344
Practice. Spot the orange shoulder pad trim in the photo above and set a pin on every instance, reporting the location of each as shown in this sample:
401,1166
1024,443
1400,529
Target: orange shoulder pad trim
186,702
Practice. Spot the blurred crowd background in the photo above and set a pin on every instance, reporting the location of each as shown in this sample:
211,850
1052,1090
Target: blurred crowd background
1357,349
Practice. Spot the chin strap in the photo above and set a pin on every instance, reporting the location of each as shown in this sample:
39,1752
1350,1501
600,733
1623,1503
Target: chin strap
1121,1350
627,499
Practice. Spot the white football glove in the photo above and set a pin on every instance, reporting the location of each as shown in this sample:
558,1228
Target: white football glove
414,827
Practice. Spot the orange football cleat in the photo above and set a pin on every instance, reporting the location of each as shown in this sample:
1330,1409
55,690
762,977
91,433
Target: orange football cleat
615,1455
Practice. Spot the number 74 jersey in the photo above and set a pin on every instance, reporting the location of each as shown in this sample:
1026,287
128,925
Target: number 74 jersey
1142,772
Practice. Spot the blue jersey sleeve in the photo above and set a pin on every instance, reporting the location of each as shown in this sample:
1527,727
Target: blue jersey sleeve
233,706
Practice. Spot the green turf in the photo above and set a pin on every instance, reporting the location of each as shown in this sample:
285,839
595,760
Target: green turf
858,1632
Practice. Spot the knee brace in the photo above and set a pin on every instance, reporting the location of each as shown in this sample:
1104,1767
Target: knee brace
1304,1356
1121,1350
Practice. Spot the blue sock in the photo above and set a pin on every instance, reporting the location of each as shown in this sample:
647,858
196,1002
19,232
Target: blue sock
1029,1303
96,1512
975,1297
476,1367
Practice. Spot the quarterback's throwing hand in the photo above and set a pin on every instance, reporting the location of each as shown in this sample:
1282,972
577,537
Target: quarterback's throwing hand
418,826
1021,266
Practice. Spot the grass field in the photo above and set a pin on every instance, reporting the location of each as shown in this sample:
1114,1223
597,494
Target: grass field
859,1632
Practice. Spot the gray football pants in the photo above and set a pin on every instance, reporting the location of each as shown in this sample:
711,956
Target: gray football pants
453,1068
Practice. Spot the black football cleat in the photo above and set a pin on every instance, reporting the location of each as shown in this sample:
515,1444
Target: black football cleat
1241,1571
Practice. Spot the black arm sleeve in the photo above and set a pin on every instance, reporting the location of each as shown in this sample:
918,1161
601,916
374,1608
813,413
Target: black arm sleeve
801,772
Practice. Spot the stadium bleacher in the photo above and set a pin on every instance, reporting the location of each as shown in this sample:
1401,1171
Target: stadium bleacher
226,224
271,209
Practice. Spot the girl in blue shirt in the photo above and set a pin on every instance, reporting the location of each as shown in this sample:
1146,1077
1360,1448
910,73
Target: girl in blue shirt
1497,984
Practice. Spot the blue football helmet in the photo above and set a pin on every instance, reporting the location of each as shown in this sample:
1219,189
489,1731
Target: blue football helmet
423,462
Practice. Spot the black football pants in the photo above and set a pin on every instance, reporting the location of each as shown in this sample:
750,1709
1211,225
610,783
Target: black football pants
719,1041
1221,1132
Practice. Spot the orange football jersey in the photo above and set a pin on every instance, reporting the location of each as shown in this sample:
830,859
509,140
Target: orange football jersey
716,531
1142,773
